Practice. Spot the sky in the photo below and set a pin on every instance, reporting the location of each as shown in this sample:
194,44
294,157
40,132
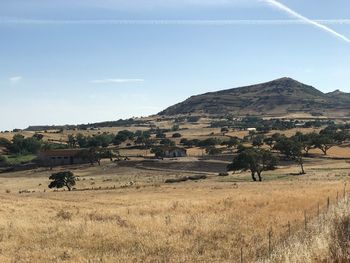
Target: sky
84,61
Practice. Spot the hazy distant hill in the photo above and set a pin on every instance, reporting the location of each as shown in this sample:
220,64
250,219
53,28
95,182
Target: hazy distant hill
279,97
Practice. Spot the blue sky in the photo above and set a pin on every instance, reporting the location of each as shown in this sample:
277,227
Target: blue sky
69,62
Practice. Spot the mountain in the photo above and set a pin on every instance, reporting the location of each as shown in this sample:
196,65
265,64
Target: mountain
280,97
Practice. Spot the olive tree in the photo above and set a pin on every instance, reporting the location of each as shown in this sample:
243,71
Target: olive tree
62,179
292,149
254,160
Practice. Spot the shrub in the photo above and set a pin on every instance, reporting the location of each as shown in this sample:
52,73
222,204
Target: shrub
65,215
177,135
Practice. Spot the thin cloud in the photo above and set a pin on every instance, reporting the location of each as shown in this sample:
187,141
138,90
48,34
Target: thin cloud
15,79
190,22
110,81
295,14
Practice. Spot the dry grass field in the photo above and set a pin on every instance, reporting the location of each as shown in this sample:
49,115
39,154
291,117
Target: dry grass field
125,212
145,220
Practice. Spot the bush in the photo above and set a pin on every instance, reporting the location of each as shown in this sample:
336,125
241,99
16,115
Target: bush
177,135
213,151
65,215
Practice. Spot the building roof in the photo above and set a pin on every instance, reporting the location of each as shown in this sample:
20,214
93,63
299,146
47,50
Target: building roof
61,152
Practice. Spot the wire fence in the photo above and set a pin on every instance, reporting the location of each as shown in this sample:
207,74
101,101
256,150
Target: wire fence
275,239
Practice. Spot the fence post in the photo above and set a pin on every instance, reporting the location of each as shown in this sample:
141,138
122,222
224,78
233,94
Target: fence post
289,233
305,221
241,254
318,210
328,203
270,235
337,196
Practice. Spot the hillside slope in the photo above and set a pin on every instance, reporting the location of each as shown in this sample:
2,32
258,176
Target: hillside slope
279,97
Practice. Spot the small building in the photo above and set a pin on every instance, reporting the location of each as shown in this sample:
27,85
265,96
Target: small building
52,158
251,129
173,152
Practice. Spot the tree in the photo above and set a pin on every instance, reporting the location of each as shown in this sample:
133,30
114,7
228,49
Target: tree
254,160
90,155
176,135
307,141
330,137
258,140
269,141
38,136
81,140
292,149
175,127
62,179
160,135
224,130
324,143
21,145
158,152
231,143
3,160
167,142
212,150
72,141
208,142
5,143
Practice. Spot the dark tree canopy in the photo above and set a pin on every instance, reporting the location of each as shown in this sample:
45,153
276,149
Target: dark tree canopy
254,160
258,140
22,145
62,179
292,149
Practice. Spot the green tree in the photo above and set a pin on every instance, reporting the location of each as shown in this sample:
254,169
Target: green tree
167,142
307,141
158,152
254,160
213,150
330,137
72,141
176,135
175,127
292,149
269,141
22,145
232,143
160,135
258,140
62,179
81,140
5,143
3,160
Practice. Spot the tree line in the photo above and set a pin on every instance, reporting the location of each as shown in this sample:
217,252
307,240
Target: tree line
295,148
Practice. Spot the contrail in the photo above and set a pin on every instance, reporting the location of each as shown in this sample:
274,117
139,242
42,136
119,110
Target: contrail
306,20
170,22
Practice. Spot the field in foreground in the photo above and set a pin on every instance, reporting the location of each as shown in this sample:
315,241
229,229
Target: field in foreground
145,220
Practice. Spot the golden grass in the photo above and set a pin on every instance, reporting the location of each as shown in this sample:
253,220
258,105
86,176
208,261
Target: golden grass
325,240
206,221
